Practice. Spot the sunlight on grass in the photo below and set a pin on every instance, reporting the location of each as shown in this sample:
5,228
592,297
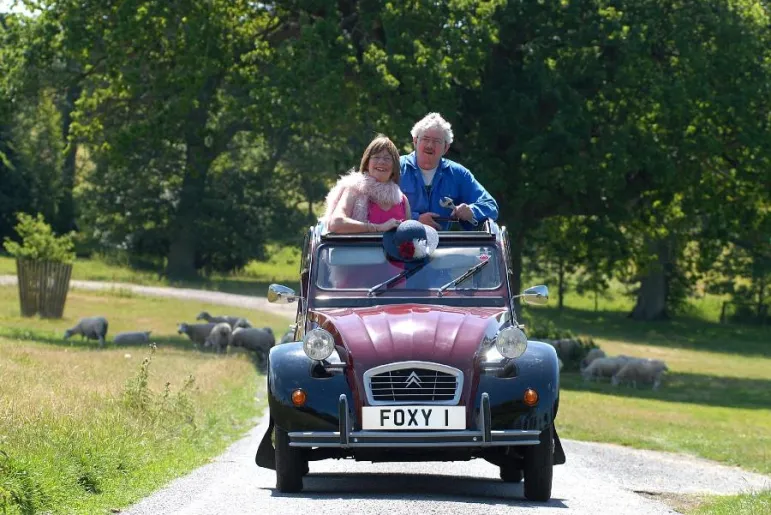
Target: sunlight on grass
78,443
124,313
747,504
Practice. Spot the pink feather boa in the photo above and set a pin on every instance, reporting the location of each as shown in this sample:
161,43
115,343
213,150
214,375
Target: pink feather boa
365,188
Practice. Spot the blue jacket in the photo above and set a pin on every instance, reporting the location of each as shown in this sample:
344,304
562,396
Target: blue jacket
450,180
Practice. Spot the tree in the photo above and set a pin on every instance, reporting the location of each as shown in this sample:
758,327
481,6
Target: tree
587,107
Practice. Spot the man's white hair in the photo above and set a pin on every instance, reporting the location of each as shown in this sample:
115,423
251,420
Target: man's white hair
433,121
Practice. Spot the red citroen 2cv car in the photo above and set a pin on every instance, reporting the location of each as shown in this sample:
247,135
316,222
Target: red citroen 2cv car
411,359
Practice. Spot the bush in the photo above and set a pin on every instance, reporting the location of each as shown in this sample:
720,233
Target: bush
538,328
38,241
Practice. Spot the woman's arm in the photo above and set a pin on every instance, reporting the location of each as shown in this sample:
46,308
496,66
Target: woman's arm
407,213
341,221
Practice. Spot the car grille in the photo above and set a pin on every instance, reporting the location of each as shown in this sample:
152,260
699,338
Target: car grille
424,383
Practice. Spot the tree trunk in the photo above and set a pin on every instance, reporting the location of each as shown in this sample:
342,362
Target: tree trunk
652,296
184,233
65,211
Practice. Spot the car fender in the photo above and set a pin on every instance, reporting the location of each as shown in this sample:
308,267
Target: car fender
289,369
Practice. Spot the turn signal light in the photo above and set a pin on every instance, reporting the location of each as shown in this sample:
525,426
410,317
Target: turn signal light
299,397
530,397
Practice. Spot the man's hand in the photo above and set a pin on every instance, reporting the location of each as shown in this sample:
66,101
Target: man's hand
387,226
428,219
463,212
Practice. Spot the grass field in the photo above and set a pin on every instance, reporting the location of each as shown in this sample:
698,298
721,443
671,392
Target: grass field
719,381
254,279
86,430
714,403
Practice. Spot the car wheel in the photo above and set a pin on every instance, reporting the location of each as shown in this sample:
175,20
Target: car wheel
291,465
539,467
511,474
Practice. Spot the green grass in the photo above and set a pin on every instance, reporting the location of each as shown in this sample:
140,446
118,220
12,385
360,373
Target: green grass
714,401
87,430
282,267
747,504
719,379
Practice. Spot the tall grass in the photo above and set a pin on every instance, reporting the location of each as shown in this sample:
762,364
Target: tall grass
84,430
747,504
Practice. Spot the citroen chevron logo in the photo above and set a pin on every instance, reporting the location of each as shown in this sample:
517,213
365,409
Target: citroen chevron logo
413,380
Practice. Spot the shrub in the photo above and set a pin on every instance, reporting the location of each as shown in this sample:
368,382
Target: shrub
38,241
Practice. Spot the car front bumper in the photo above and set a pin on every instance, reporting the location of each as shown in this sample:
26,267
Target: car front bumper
345,438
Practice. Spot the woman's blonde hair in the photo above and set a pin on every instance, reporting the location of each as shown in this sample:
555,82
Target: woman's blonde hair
378,144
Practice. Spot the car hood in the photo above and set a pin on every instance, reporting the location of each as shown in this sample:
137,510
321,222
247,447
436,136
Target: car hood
381,335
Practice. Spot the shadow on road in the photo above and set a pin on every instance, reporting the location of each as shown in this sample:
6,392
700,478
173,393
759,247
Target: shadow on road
414,487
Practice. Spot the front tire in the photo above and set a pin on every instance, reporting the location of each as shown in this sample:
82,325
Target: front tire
291,464
539,467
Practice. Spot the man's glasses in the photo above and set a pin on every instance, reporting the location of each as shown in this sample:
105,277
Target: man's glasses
434,141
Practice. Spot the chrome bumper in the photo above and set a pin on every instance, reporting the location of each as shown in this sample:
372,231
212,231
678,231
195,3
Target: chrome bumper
346,438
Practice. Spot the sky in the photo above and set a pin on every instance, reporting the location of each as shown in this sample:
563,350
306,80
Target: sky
6,4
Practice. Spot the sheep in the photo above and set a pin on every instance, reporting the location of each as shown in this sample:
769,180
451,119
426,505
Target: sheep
253,338
243,323
591,356
92,328
641,370
604,367
288,336
219,337
566,348
132,337
196,332
230,320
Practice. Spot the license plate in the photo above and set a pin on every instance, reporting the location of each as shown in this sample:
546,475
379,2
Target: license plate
413,417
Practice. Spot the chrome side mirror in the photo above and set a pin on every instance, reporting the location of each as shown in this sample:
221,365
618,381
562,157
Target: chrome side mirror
278,293
535,295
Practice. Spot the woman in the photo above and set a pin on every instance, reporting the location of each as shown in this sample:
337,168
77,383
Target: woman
369,200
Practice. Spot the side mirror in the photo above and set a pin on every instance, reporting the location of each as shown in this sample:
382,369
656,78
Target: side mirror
278,293
535,295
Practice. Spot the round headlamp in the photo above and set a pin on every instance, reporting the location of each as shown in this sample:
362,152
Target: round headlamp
318,344
511,342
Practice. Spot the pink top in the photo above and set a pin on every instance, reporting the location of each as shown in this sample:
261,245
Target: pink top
378,215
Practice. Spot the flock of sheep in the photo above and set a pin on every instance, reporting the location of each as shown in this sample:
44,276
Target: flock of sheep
618,369
217,332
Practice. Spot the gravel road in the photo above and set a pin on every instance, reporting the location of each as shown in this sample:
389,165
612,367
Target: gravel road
597,478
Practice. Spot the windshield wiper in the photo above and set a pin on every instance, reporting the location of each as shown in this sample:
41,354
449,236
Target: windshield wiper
465,275
386,284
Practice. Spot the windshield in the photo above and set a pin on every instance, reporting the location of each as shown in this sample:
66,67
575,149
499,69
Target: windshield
363,267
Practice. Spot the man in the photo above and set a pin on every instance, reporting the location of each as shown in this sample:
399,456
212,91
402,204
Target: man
427,177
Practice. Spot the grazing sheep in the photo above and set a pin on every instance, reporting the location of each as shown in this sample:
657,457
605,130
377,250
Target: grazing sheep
591,356
92,328
254,339
230,320
288,336
196,332
646,371
566,348
243,323
219,337
604,367
132,337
